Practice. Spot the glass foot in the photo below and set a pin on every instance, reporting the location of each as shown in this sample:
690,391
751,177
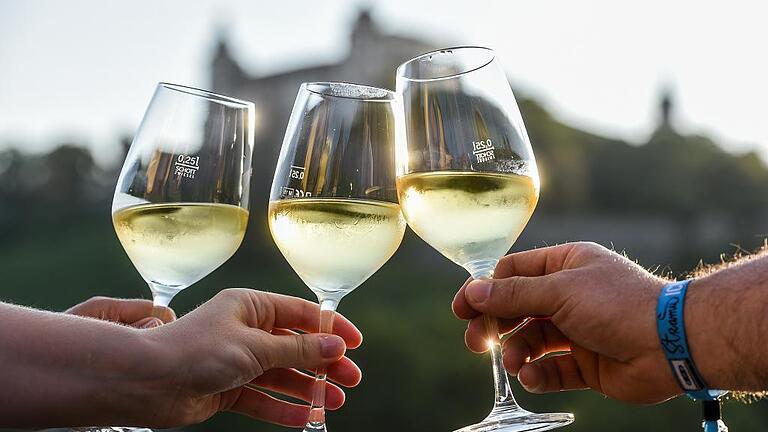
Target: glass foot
315,427
516,419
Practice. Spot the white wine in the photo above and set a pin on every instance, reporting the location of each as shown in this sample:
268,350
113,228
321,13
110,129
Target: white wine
176,245
335,244
470,217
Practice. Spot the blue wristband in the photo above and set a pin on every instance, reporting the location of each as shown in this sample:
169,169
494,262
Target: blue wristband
671,327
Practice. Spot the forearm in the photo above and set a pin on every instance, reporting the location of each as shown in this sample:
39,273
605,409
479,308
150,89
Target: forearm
59,370
726,322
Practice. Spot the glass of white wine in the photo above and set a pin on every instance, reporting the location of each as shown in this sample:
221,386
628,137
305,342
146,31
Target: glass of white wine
333,210
180,207
467,182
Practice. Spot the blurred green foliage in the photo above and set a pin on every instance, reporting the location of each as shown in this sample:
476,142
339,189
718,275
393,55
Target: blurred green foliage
57,248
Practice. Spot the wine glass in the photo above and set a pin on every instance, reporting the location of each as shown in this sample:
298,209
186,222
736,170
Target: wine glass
181,203
180,207
333,210
468,183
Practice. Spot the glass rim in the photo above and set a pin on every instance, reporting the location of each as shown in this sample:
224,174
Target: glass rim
490,51
389,95
208,95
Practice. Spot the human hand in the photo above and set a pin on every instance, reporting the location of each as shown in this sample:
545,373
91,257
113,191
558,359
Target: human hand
593,304
136,313
201,362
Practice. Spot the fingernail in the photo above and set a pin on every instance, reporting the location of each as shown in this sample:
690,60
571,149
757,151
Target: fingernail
478,291
524,375
165,311
154,322
331,346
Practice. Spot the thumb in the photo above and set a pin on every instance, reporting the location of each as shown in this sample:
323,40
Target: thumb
514,297
303,351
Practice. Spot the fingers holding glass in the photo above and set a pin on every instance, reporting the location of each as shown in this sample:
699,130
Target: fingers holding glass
476,335
299,385
124,311
261,406
535,340
510,298
556,373
344,371
287,312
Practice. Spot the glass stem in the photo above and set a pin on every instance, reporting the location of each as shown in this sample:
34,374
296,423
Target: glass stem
503,391
161,297
504,400
316,420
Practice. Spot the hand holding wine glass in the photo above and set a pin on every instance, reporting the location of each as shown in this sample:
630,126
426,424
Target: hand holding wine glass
580,291
180,207
228,353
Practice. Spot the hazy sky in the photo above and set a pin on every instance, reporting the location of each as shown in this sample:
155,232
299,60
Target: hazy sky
85,70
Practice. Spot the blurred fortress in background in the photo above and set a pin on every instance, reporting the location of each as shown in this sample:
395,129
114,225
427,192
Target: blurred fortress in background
588,191
371,59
